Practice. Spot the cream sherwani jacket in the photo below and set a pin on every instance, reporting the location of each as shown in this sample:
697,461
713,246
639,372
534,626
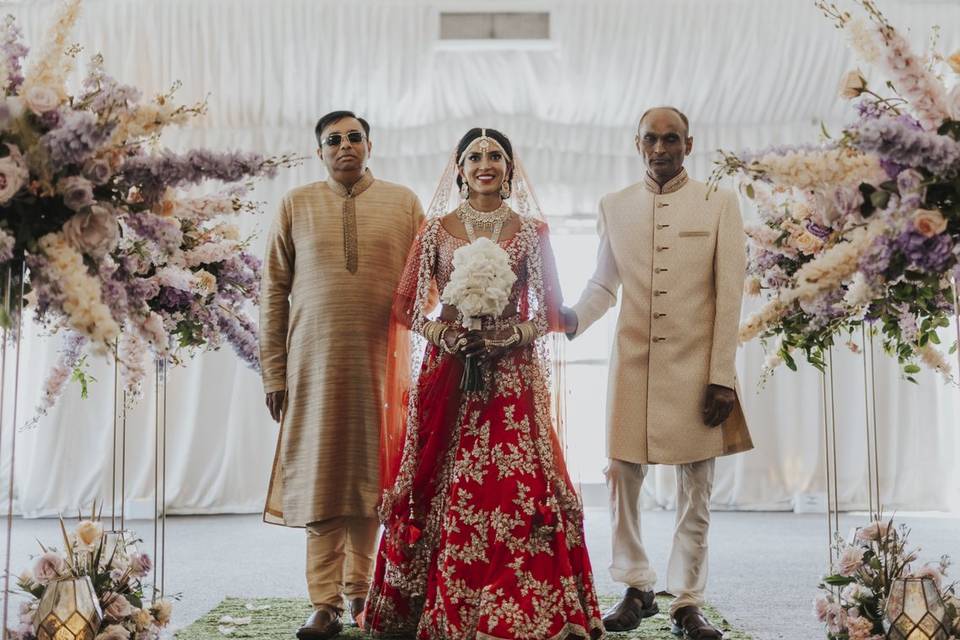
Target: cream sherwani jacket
333,261
680,259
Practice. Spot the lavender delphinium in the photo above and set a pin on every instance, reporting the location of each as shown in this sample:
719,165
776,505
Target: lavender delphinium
13,51
241,333
104,93
113,289
76,137
154,174
896,141
875,261
164,233
173,299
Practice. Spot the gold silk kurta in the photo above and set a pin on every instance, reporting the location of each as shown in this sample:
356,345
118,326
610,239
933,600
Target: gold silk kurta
680,259
333,261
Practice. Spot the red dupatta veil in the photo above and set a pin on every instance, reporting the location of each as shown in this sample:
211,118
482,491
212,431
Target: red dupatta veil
417,298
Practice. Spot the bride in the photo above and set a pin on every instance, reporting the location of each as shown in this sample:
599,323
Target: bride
483,531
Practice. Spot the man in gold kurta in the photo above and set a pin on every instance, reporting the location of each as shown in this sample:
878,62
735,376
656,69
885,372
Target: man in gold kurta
680,258
333,261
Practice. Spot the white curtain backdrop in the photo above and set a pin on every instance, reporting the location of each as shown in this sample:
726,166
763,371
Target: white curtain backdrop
750,73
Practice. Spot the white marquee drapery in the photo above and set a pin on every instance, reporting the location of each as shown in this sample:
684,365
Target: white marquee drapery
750,73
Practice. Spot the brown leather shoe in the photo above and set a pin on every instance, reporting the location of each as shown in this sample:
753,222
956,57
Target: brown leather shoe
322,624
689,622
634,607
356,610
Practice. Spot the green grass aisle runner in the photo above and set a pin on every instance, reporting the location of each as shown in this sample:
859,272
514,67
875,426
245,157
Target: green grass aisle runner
285,615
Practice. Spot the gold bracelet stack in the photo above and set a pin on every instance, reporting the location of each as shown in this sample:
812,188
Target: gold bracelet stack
527,331
433,332
507,342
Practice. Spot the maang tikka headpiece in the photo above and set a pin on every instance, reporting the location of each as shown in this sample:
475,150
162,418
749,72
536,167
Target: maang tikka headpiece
483,143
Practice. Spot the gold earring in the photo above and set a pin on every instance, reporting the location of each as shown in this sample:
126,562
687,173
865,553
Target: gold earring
464,191
505,189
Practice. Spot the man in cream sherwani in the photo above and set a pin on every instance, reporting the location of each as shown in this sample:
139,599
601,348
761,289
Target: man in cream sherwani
672,399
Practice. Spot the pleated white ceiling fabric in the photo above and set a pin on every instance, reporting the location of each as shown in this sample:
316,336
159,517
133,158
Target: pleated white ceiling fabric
749,73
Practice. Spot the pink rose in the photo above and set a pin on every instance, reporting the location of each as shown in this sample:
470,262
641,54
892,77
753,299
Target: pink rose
930,571
94,231
140,565
115,607
41,99
77,192
49,566
929,222
113,632
13,174
851,560
874,531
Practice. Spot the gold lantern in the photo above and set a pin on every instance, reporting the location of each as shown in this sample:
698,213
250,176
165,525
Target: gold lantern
915,611
68,610
119,545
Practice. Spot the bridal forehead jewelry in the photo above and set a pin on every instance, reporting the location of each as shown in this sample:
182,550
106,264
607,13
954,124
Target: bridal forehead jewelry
483,143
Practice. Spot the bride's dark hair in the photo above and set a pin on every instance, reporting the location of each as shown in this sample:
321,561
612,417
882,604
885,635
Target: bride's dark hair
475,133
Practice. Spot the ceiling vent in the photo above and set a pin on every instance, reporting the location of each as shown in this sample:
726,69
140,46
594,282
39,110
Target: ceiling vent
497,29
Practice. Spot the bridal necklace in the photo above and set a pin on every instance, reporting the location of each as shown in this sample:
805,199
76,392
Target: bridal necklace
491,221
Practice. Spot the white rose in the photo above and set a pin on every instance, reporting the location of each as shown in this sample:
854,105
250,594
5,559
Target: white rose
93,231
41,99
852,85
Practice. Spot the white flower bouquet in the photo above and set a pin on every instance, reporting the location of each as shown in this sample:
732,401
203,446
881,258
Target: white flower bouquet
479,287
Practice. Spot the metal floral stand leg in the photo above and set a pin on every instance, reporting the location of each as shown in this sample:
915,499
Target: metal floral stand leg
830,455
870,413
160,482
12,300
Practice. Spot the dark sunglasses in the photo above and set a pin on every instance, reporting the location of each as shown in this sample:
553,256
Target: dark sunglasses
334,139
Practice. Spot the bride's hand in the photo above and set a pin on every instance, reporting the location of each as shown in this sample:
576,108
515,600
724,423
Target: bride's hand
493,352
472,344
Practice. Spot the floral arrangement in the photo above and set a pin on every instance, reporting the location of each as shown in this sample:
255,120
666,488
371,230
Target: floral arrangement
863,230
479,287
855,596
104,230
116,573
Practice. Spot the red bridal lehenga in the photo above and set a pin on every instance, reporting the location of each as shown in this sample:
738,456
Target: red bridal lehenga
483,531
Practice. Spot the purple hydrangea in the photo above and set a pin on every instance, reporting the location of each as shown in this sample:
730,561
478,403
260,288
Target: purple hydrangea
896,141
876,259
173,299
931,255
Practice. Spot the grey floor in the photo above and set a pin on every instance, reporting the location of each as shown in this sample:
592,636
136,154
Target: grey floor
763,572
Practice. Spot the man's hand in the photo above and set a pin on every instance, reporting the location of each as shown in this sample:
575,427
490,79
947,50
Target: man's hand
570,321
718,404
275,404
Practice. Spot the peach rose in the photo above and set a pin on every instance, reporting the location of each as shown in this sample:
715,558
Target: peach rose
954,61
807,243
41,99
929,222
852,85
115,606
88,533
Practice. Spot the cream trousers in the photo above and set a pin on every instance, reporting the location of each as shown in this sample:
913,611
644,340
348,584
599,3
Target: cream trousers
687,567
340,553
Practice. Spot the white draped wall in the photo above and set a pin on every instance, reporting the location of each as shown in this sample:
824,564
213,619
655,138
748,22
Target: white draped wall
750,73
